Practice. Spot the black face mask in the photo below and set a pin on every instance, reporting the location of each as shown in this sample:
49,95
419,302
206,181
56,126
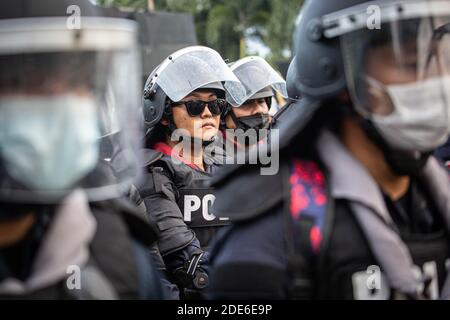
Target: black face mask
257,124
257,121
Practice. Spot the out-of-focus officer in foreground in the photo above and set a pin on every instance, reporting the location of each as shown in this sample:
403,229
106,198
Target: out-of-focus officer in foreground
65,84
184,99
359,209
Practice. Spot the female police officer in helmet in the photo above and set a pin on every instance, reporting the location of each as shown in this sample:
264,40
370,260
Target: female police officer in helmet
184,99
365,209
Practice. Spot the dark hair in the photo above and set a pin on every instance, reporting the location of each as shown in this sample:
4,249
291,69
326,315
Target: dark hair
157,134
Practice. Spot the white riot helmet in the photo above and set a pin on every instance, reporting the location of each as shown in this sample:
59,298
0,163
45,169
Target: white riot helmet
260,81
180,74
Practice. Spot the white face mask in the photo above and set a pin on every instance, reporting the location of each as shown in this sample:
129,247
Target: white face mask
420,120
48,143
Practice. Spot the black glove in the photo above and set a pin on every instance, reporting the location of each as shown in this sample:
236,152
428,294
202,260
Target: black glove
193,275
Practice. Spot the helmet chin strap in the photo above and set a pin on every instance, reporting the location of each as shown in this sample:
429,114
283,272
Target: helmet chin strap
257,124
402,163
261,121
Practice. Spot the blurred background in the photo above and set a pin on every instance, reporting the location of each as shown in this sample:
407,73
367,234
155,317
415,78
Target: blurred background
235,28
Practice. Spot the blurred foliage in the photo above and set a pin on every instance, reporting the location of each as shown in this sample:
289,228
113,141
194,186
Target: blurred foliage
226,25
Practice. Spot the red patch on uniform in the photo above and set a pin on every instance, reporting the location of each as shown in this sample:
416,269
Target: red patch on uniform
301,172
299,200
318,177
306,173
293,179
167,150
319,196
315,237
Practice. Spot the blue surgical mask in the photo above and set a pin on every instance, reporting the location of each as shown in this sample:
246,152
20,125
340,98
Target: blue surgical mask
48,143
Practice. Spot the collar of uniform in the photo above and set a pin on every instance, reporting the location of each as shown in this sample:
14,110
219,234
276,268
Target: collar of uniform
342,168
64,249
436,179
150,156
390,251
167,150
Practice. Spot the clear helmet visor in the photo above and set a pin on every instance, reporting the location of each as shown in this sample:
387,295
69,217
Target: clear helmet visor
65,115
256,75
398,74
195,67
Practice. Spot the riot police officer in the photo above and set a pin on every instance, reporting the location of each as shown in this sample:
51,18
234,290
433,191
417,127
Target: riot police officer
260,81
360,208
64,85
184,99
246,126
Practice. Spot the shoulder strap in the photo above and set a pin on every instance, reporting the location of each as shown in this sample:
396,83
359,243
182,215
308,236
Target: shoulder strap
136,198
262,193
150,156
159,177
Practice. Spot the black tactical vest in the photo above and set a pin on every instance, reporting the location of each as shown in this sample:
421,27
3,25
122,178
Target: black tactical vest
193,196
345,267
350,271
118,265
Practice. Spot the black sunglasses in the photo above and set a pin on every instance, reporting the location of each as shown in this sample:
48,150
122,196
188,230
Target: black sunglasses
196,107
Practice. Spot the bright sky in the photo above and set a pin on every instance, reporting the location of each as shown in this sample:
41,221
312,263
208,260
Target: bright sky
255,46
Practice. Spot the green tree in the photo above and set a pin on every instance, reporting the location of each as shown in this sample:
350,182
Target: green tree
280,28
136,4
226,24
199,9
231,21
